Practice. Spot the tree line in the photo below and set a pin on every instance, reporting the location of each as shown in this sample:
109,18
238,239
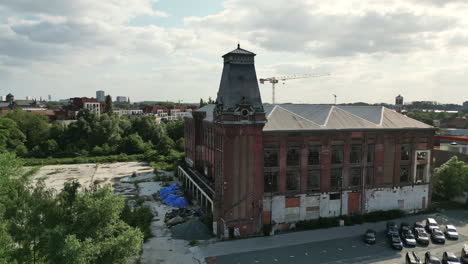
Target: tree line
29,135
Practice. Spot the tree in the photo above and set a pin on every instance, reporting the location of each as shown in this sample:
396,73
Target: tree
108,108
202,103
175,129
35,127
451,179
11,136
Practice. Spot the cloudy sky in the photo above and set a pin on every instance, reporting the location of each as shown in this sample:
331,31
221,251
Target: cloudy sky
171,49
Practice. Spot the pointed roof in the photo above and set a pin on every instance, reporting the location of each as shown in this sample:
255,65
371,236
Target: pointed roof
240,51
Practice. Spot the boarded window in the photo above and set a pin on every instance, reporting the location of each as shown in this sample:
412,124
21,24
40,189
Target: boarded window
293,157
405,152
271,181
370,153
335,179
270,157
355,177
337,154
356,154
314,155
404,174
292,180
313,180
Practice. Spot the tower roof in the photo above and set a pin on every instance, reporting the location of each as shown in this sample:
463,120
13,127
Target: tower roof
240,51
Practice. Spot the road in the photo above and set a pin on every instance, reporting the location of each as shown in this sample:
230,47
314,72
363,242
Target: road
350,249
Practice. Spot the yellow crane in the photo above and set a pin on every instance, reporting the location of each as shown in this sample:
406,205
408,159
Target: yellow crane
275,80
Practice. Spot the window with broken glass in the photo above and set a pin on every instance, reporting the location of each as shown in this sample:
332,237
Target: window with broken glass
356,154
337,154
405,152
370,165
293,180
271,181
313,180
370,176
420,173
270,157
293,156
314,155
355,177
335,179
405,174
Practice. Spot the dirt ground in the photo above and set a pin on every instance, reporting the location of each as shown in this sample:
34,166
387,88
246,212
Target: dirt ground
133,180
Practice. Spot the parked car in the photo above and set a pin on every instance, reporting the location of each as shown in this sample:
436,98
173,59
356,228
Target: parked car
451,232
395,242
370,236
431,259
418,225
449,258
421,236
407,235
437,236
464,255
412,258
392,228
431,223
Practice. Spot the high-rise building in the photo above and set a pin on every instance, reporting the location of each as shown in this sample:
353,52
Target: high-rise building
101,96
121,99
49,97
399,103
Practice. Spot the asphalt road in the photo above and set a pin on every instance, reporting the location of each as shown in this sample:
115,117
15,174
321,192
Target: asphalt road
348,249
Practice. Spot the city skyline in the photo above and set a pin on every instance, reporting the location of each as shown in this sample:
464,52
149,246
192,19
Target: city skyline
162,50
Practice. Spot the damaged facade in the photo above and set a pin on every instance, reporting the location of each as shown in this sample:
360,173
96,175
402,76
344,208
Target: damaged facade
260,164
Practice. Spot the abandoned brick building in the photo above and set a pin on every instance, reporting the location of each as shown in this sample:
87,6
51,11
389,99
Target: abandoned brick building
253,164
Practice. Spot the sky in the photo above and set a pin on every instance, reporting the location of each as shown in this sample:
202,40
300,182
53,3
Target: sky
159,50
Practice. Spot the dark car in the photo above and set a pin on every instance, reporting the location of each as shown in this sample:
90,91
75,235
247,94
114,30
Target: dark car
370,236
431,259
449,258
412,258
419,225
451,232
392,228
395,242
464,255
421,236
407,235
437,236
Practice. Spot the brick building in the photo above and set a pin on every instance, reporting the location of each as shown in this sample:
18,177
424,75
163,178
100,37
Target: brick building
254,164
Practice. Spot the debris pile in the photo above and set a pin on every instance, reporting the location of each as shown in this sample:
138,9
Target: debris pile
180,215
193,229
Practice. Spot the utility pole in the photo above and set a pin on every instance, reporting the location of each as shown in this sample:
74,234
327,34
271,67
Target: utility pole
335,98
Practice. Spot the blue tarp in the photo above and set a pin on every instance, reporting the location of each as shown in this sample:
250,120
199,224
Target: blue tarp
170,199
168,194
180,202
165,191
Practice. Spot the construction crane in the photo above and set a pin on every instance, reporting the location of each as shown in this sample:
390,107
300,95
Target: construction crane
275,80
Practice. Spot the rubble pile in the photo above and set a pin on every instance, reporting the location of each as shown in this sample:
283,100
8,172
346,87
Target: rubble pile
181,215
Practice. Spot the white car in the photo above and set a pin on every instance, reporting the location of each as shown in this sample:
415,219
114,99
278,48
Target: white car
451,232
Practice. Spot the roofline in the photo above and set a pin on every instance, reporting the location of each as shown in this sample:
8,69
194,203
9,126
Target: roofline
349,130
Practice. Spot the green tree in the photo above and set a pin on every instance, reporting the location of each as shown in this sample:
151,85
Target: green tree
175,129
11,137
134,144
108,107
35,127
165,145
451,179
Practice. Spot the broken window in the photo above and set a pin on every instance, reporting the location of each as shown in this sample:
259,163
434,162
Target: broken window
335,179
355,177
370,153
405,152
292,180
355,155
404,174
422,155
271,181
293,156
370,176
313,180
335,196
314,155
420,173
337,154
270,158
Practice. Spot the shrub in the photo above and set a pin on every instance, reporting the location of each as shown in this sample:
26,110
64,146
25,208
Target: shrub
193,243
140,217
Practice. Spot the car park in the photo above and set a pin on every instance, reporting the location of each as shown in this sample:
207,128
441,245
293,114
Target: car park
419,225
407,235
437,236
449,258
431,258
392,228
370,236
431,223
451,232
395,242
464,255
412,258
421,236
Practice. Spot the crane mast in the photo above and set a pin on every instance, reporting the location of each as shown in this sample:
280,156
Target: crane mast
275,80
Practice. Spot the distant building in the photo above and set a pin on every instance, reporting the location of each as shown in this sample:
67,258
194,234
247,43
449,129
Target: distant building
9,102
78,103
28,98
2,98
399,103
49,97
101,96
465,105
128,112
121,99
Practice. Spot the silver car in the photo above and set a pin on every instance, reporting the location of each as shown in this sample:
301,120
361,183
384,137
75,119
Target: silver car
451,232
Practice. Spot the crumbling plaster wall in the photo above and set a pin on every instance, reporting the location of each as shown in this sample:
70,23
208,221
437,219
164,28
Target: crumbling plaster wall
388,198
